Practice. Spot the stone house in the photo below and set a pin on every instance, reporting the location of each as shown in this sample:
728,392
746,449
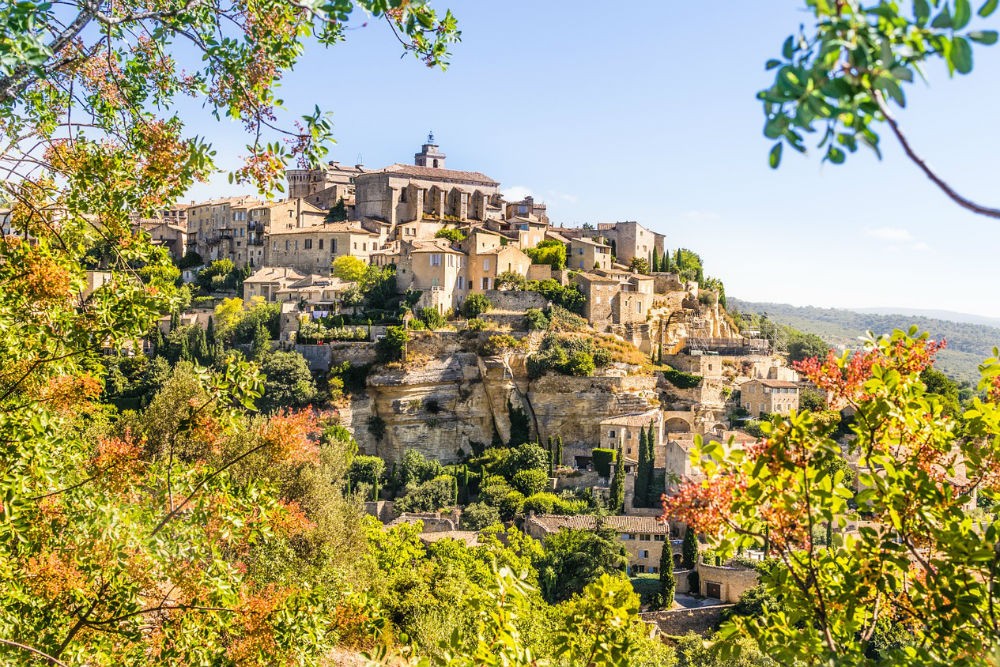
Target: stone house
599,292
276,216
488,257
320,295
215,226
267,281
174,237
622,433
323,187
586,255
630,240
527,209
764,396
642,536
313,249
435,269
403,193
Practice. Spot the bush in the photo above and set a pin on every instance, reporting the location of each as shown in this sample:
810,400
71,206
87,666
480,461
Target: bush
567,355
478,516
392,346
581,364
508,280
288,382
603,458
496,492
530,482
415,468
453,235
680,379
366,470
475,305
550,503
376,426
476,324
432,318
499,344
549,252
535,319
429,496
694,582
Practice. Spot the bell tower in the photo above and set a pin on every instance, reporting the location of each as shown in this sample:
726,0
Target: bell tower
429,155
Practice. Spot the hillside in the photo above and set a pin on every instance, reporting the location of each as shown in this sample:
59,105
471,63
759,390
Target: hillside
968,344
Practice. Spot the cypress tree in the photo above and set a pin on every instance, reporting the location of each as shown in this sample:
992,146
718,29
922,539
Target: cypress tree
376,490
689,549
261,344
668,583
210,332
175,320
655,264
454,490
559,450
643,473
198,344
653,492
617,499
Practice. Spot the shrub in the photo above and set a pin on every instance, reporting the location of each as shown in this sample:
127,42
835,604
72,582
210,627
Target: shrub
550,503
508,280
415,468
478,516
453,235
535,319
603,458
476,324
549,252
530,482
475,305
581,364
392,346
496,492
694,582
680,379
432,318
376,426
366,470
499,344
428,496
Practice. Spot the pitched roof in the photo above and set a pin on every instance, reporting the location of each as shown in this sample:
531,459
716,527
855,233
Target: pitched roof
432,245
776,384
642,419
434,174
551,523
325,227
268,274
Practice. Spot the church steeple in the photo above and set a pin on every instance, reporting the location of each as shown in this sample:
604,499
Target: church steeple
429,155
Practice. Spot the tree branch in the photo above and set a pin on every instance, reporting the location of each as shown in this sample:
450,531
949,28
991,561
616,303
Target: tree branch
964,202
29,649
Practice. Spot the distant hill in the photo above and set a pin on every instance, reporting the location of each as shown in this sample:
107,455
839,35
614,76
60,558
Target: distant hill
947,315
968,343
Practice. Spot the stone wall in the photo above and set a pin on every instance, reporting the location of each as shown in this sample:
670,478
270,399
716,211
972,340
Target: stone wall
515,300
732,581
679,622
317,356
666,282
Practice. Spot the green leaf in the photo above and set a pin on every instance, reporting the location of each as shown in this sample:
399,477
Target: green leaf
984,36
960,55
835,155
942,20
772,63
774,158
922,11
988,7
788,48
963,14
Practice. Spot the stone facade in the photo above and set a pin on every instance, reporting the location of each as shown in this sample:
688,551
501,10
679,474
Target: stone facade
631,240
586,255
762,397
726,583
313,249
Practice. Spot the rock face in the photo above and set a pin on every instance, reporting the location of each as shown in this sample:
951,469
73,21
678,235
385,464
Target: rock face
459,401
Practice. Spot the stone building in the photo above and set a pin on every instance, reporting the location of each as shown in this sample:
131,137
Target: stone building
599,292
426,189
173,237
313,249
267,281
615,297
488,257
277,216
324,187
622,434
642,536
763,397
218,228
630,240
587,255
435,269
315,294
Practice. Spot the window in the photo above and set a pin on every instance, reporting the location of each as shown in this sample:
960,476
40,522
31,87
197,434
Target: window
644,537
274,246
333,245
308,244
435,259
321,244
611,434
296,245
286,245
291,214
626,537
486,265
659,538
355,245
486,283
638,306
643,553
364,246
451,260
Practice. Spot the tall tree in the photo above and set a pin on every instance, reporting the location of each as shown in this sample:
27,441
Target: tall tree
689,548
668,583
616,500
643,472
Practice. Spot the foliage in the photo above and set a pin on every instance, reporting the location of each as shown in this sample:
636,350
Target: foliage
694,651
574,558
810,399
569,355
680,379
510,280
616,500
569,297
475,305
349,268
476,324
392,346
530,481
803,346
919,544
603,458
337,212
639,265
433,318
561,319
317,331
453,235
689,549
840,76
190,260
478,516
688,265
535,319
668,583
415,468
498,345
549,252
428,496
288,382
496,492
376,426
366,470
520,427
550,503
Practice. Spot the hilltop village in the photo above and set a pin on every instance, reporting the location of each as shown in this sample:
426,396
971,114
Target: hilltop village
443,322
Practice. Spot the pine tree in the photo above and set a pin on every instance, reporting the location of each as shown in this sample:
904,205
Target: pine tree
261,344
689,549
617,499
668,583
642,476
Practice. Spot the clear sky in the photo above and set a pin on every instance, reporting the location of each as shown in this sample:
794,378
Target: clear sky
647,112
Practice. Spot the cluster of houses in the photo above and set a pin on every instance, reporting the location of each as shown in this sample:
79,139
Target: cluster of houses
393,216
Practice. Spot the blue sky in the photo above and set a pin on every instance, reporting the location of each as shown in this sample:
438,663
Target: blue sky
650,115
